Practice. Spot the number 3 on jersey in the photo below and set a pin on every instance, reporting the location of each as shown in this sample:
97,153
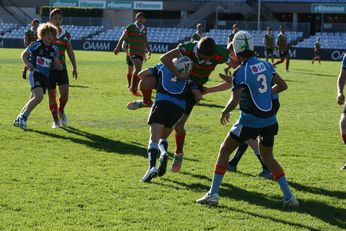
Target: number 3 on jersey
264,85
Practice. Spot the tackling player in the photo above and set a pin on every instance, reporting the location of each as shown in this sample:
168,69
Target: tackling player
253,91
167,111
205,55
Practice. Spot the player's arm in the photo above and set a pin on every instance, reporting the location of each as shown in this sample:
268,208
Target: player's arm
167,60
26,40
219,87
340,98
118,46
72,57
279,84
230,106
25,58
147,45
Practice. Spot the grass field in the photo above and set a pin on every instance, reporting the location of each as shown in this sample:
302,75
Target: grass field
86,176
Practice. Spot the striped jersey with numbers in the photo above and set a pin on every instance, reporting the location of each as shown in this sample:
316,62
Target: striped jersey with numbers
255,77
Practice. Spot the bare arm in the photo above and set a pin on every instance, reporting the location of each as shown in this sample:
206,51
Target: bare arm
56,64
118,46
340,98
26,41
167,60
25,58
279,84
231,104
72,57
219,87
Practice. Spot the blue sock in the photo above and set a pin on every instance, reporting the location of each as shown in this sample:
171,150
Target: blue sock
153,151
215,185
25,115
284,187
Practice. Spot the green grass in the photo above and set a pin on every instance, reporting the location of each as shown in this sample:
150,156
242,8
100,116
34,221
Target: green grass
86,177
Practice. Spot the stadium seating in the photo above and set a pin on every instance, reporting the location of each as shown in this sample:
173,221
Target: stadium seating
77,32
328,40
6,27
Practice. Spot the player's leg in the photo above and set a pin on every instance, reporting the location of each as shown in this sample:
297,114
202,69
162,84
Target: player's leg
179,137
153,151
129,71
147,83
342,124
137,63
63,84
24,72
227,147
64,93
232,164
266,150
29,106
53,106
281,58
287,61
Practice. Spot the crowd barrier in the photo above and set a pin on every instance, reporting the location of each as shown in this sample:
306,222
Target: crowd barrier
93,45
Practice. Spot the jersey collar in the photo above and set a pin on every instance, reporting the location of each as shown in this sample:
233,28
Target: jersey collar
63,31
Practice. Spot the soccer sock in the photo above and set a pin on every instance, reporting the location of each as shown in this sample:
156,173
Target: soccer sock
25,115
147,96
54,109
62,103
279,176
343,136
287,64
153,151
238,154
219,172
129,76
163,146
179,141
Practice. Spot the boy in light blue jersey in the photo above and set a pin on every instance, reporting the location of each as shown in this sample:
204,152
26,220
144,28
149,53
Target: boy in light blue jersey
38,57
168,109
340,99
253,87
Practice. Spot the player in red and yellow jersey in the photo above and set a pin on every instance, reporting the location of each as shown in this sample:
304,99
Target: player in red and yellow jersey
60,77
136,33
283,48
206,55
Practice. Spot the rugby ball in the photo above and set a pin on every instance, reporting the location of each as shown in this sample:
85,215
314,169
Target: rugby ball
183,64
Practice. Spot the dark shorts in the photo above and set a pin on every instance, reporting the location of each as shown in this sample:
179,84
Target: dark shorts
129,61
283,54
242,133
136,57
344,109
317,53
36,79
165,113
191,101
58,77
269,51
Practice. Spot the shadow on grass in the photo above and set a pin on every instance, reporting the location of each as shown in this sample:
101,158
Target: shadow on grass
78,86
97,142
305,71
310,189
318,209
210,105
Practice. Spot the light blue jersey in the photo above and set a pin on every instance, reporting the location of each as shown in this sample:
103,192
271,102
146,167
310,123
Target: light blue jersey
169,87
344,62
256,102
